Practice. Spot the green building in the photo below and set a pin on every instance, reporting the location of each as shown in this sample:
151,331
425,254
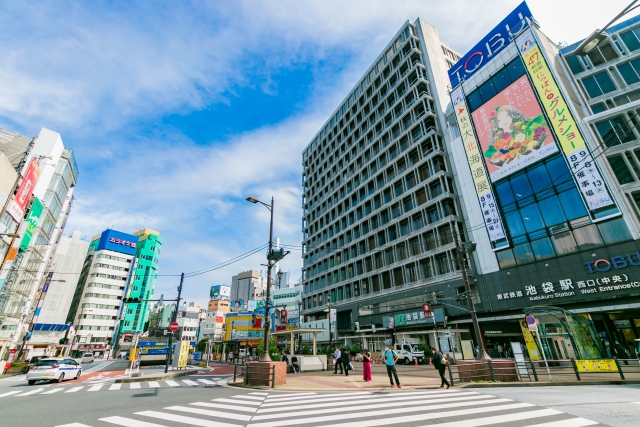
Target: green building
143,280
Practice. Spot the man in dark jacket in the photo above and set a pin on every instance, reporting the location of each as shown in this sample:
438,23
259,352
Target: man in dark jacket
345,359
621,352
440,364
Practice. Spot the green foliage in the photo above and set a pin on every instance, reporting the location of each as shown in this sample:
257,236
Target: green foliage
355,348
423,346
306,349
202,346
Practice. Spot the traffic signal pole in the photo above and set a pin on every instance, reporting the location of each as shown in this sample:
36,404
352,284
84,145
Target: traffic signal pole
173,319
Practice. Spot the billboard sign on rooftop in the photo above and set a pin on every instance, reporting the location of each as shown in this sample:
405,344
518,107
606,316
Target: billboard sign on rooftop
118,241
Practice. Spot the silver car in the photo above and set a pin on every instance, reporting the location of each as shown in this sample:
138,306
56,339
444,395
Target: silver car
55,370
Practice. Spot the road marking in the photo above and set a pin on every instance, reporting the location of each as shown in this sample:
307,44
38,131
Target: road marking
172,383
73,390
73,424
115,386
518,416
96,387
245,396
453,402
189,382
258,393
54,390
206,382
396,420
183,419
278,396
154,384
221,406
386,398
134,386
98,367
572,422
210,413
236,402
128,422
38,390
283,401
9,393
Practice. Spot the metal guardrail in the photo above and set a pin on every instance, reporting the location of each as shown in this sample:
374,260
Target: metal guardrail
532,370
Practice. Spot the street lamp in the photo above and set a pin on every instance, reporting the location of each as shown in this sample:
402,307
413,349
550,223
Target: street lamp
272,258
590,43
328,310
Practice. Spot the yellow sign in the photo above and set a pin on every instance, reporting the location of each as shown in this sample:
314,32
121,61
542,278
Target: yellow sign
184,354
600,365
467,349
488,204
532,348
568,134
133,353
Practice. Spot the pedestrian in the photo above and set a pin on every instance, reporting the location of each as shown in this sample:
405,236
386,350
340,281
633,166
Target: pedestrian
621,352
346,360
366,366
337,361
500,349
284,357
231,357
294,364
440,363
391,357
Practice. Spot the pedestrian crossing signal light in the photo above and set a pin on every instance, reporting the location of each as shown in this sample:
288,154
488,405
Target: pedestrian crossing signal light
131,300
283,316
427,311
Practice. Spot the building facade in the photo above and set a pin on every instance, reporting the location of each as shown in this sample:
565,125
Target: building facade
246,286
97,306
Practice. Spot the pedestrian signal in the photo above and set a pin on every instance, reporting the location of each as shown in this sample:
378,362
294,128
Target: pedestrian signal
427,311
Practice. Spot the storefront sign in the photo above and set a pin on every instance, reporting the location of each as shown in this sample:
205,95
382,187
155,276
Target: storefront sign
91,346
622,324
487,201
32,223
19,203
601,365
467,349
618,261
583,168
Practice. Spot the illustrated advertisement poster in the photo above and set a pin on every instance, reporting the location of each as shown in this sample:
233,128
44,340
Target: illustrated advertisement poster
512,130
601,365
571,140
481,183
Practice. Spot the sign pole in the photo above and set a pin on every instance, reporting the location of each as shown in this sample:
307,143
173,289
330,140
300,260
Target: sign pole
543,355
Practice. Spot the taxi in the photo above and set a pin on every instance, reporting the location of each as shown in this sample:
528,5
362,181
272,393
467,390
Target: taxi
54,370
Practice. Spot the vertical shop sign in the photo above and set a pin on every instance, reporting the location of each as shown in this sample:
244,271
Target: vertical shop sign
532,348
488,204
571,140
32,223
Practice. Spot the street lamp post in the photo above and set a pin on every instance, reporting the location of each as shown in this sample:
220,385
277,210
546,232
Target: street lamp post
589,44
272,258
330,325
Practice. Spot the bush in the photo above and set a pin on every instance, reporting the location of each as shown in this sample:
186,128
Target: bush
423,346
306,349
355,348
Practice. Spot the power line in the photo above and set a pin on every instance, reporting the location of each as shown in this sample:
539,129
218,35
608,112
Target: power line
229,262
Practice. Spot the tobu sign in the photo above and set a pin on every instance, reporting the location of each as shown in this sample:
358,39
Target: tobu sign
616,262
492,44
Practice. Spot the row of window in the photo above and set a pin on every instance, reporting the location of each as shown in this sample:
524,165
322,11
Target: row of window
103,306
113,257
104,286
496,84
98,317
107,276
106,296
94,328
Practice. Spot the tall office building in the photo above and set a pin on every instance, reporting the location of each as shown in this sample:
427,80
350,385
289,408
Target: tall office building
379,196
144,281
97,304
37,212
246,286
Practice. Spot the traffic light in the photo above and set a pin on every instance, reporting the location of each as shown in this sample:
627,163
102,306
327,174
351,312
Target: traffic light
132,300
427,311
283,316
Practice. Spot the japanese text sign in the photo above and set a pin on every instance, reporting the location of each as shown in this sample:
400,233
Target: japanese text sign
19,203
32,223
571,140
481,183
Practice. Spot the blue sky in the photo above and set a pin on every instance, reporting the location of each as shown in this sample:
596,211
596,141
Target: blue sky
177,111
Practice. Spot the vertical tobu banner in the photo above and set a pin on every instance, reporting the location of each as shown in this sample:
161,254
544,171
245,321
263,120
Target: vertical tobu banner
32,223
481,183
512,130
19,203
563,123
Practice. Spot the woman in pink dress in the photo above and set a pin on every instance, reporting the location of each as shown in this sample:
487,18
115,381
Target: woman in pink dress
366,366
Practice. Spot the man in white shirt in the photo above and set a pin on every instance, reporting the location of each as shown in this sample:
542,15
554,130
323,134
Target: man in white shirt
336,357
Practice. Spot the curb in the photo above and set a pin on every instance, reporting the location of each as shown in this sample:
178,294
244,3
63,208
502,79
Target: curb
546,384
156,377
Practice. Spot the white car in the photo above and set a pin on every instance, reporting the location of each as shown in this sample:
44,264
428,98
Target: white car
55,370
87,358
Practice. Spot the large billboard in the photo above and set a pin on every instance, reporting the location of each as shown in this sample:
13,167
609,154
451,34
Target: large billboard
118,241
32,223
19,203
583,168
512,131
220,292
492,44
481,183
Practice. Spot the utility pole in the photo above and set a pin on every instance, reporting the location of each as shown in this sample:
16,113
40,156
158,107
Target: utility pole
265,354
462,256
173,319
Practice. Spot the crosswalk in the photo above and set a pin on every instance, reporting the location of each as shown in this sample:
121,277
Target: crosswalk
451,408
30,391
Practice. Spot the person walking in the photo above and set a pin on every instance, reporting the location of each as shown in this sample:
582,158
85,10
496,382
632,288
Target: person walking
337,361
390,359
366,366
621,352
345,359
440,363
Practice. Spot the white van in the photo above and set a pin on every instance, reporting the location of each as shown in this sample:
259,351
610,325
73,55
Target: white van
408,353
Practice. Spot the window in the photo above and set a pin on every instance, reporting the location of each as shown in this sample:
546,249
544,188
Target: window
602,53
442,264
574,64
614,131
511,73
631,39
598,108
630,71
620,169
598,84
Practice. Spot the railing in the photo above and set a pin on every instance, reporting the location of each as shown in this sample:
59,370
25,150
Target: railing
538,370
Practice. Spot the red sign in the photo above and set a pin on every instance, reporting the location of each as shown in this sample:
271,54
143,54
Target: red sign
19,203
174,326
219,319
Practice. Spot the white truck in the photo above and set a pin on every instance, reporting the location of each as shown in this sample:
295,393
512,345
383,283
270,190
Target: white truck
408,353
